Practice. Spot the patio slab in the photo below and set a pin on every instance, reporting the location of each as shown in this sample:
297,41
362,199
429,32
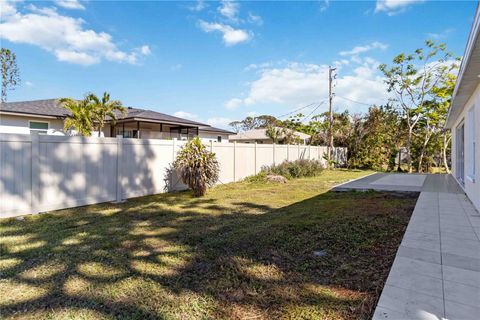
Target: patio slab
436,272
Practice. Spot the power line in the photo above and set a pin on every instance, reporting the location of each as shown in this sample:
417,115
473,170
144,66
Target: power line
296,110
318,106
365,104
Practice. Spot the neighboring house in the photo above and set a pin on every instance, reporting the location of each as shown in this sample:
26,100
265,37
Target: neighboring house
208,133
464,118
47,117
260,136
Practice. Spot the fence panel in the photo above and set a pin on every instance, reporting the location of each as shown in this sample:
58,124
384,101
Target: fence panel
75,171
41,173
244,160
15,174
225,156
264,156
281,153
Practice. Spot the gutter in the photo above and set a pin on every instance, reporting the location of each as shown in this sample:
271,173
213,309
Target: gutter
25,114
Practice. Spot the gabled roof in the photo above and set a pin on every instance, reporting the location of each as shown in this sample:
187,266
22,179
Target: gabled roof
52,108
469,74
261,134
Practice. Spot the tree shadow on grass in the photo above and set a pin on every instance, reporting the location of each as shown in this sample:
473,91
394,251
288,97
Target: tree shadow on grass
154,258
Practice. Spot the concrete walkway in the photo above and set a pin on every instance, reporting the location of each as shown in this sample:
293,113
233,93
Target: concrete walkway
436,272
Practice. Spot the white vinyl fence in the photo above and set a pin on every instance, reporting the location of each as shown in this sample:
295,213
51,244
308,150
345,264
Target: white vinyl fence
42,172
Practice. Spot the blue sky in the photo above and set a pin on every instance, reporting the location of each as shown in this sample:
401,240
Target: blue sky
220,61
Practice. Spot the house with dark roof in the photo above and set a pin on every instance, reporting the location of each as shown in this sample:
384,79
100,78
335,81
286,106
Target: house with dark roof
47,117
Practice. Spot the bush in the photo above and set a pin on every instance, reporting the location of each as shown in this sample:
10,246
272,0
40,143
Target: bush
197,166
295,169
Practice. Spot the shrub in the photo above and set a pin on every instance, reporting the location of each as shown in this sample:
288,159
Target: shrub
260,177
295,169
197,167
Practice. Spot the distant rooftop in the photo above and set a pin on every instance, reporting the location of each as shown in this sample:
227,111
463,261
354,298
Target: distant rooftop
261,134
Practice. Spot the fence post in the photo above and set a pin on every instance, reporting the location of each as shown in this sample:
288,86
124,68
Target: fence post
274,153
255,159
298,151
309,152
35,179
234,160
211,145
119,193
288,152
174,145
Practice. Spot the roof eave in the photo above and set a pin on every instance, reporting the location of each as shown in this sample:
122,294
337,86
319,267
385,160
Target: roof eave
186,124
472,47
27,114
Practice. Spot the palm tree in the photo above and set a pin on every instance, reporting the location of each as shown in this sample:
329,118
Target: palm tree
105,108
81,117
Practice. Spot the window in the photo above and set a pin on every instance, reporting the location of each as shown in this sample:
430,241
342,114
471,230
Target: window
219,139
40,127
472,144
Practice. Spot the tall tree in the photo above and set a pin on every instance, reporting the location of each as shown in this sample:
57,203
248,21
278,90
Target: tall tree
274,133
82,115
236,126
434,115
104,108
250,123
10,72
413,79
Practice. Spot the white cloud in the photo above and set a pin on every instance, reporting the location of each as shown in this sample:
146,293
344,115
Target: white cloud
29,83
229,9
186,115
442,35
70,4
76,57
324,5
361,49
63,36
7,9
231,36
393,7
228,22
252,18
298,84
233,104
198,6
219,122
145,50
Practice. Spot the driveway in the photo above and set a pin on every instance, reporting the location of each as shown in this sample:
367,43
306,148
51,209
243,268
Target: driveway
436,272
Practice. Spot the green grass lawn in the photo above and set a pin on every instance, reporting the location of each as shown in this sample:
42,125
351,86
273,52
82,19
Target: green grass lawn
245,251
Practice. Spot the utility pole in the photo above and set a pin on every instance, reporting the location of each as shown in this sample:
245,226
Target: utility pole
331,76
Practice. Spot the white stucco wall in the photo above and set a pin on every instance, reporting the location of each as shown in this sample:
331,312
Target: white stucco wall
20,124
212,136
472,184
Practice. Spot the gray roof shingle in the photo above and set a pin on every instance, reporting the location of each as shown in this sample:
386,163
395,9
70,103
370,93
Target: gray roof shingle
51,107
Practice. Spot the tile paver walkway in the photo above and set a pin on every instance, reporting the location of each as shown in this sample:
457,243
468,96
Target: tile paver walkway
436,272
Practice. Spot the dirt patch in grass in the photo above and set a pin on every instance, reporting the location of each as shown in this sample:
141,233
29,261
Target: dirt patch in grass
246,251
